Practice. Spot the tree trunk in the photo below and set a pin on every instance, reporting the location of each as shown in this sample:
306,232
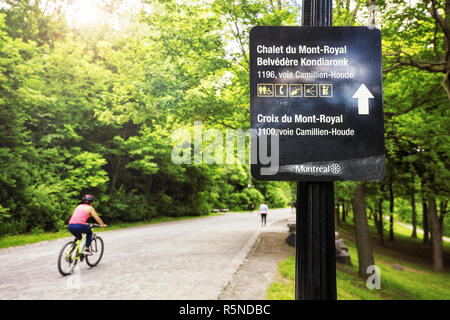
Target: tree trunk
279,4
425,221
438,261
375,219
425,225
380,221
120,159
150,184
372,13
413,208
115,174
338,222
343,212
363,245
391,211
443,210
413,217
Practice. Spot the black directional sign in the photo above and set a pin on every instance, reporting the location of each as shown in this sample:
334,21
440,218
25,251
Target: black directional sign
316,104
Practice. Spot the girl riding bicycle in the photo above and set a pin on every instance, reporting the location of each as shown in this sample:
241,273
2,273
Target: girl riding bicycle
77,223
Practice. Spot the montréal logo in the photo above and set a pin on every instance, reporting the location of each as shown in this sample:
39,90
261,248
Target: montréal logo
335,168
321,169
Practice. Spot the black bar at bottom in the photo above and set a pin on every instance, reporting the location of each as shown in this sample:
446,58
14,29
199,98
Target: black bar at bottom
315,270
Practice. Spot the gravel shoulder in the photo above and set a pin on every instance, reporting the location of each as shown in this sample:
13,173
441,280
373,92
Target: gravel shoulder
260,268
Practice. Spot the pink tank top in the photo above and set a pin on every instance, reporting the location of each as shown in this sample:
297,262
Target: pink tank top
80,214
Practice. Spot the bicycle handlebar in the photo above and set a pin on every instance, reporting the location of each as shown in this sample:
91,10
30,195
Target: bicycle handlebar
95,225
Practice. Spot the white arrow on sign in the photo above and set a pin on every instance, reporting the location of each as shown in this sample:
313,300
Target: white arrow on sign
363,95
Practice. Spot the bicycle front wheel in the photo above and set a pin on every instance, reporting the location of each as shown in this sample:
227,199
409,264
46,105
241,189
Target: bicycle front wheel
97,252
66,261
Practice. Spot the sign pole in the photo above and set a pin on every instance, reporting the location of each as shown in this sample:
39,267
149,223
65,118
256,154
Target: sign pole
315,270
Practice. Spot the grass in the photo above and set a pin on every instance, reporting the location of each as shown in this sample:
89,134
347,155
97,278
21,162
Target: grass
417,281
23,239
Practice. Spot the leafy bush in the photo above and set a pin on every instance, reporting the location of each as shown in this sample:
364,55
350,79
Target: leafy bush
13,227
60,225
276,197
127,207
42,209
37,230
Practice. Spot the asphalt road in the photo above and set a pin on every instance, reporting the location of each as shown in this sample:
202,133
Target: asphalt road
191,259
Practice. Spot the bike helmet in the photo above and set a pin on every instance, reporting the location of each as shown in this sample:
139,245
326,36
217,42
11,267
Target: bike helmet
88,199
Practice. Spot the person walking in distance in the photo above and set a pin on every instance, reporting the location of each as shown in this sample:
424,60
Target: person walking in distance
263,210
251,206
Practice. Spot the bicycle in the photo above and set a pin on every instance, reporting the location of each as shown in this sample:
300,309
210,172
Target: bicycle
73,251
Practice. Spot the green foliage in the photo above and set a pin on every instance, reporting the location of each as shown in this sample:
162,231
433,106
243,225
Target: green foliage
36,230
126,206
92,110
416,105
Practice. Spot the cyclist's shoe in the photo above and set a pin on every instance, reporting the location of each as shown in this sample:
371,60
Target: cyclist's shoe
88,252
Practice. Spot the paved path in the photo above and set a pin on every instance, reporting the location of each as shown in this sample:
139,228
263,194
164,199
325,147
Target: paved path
191,259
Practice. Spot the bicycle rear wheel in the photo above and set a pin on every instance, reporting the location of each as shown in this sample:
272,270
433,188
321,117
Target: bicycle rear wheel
66,261
97,248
